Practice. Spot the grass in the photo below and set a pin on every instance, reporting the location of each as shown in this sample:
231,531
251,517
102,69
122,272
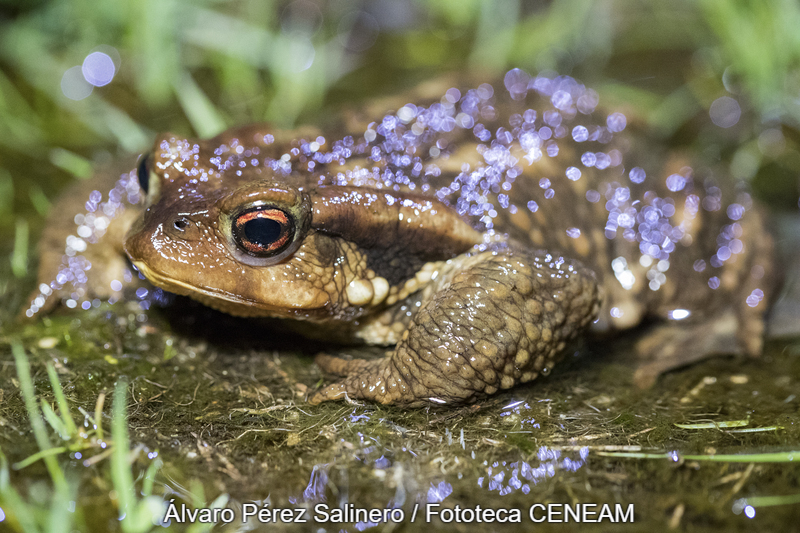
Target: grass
54,515
781,457
715,425
19,257
139,509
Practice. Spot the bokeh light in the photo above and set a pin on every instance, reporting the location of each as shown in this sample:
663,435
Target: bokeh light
358,31
771,142
725,112
98,69
74,85
301,16
300,55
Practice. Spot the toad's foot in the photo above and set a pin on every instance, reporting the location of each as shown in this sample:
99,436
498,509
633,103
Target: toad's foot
93,269
503,319
670,346
737,329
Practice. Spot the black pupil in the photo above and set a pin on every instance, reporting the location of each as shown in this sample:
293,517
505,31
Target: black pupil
262,231
144,173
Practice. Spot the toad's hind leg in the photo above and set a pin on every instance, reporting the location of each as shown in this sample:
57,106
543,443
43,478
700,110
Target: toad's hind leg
498,319
736,324
670,346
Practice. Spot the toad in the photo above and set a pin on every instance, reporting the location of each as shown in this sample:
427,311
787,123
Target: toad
478,233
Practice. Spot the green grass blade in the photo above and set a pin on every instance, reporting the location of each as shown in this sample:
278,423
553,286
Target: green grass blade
39,199
199,109
60,518
120,470
78,166
19,257
770,501
98,415
61,401
149,477
756,430
134,517
35,417
715,425
53,419
14,506
778,457
39,455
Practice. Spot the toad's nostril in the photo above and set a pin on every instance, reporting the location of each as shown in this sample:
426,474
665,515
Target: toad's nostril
181,223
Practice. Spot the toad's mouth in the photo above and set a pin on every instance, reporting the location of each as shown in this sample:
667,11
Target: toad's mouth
221,300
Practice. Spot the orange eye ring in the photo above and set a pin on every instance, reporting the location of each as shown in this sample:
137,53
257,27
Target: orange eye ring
263,231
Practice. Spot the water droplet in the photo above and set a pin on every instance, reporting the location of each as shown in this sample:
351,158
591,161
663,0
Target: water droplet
552,118
516,82
637,175
603,160
580,134
573,174
616,122
735,211
679,314
561,100
676,182
588,101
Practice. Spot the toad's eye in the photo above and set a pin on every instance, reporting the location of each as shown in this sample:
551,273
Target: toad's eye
143,171
263,231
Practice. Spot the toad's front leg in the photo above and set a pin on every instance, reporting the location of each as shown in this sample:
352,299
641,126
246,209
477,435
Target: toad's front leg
499,319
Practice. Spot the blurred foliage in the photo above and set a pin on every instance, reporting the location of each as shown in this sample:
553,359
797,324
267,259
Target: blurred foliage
199,66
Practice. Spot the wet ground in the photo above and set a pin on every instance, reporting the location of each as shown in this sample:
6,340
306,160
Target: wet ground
217,406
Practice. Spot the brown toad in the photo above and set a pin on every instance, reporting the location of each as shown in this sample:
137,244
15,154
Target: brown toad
478,233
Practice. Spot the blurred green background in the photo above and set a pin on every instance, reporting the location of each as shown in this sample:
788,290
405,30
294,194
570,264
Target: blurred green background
197,67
